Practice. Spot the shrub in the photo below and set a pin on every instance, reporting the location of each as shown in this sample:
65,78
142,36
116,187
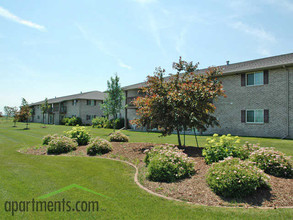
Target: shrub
80,134
245,150
99,146
119,137
99,122
119,123
273,162
48,138
74,121
233,177
167,164
218,149
61,144
65,121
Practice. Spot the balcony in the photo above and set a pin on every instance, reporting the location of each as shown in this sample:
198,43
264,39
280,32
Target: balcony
63,110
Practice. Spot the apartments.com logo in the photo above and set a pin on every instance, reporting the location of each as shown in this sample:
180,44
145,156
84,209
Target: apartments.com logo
54,206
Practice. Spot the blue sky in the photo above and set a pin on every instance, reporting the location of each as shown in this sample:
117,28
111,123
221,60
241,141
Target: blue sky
55,48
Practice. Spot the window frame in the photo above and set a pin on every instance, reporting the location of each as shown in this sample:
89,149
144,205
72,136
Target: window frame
74,102
254,78
254,117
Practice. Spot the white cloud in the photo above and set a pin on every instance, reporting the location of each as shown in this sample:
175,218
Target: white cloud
122,64
94,40
264,52
287,5
180,41
145,1
154,30
101,45
8,15
260,33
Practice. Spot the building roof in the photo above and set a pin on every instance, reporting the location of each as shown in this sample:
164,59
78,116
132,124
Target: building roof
93,95
251,65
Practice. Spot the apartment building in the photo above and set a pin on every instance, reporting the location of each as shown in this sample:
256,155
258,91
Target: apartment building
84,105
259,98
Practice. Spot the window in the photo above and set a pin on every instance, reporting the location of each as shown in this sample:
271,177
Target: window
255,116
74,102
88,117
91,102
254,79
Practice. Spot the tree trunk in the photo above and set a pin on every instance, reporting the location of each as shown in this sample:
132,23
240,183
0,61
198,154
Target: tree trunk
44,118
178,135
114,124
184,138
195,137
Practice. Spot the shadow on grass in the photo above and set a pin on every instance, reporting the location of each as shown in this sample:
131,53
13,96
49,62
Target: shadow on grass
255,199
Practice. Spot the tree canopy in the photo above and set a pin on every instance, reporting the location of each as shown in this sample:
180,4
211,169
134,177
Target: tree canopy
181,101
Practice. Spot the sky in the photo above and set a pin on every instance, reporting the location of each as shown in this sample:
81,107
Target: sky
54,48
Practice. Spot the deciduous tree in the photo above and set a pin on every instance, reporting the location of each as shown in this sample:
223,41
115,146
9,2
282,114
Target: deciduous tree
181,101
24,112
113,102
45,107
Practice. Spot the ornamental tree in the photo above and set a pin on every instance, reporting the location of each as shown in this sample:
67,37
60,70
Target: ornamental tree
24,112
181,101
9,111
113,103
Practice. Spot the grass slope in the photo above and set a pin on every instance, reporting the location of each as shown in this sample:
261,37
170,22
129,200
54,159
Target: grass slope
23,177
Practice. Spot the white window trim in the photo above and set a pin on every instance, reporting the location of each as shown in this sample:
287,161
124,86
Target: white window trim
246,78
254,116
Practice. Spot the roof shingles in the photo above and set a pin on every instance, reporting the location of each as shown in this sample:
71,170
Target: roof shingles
252,65
94,95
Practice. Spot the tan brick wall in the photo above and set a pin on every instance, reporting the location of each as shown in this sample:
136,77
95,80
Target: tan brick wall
271,96
89,110
72,109
291,102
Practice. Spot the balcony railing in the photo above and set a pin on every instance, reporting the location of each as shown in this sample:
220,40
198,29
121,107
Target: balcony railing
63,110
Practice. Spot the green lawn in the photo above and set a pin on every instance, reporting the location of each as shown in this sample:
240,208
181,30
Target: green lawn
23,177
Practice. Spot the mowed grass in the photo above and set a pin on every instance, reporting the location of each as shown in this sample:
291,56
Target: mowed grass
24,177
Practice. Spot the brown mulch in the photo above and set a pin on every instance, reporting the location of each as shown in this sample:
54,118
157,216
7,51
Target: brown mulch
194,189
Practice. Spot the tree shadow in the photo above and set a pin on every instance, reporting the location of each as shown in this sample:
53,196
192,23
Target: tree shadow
192,151
256,199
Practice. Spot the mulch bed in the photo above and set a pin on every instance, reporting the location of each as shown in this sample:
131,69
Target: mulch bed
194,189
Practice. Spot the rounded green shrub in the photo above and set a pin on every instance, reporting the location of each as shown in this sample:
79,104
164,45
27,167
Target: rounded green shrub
219,148
233,177
48,138
74,121
99,122
99,146
243,152
61,144
167,164
273,162
119,137
80,134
